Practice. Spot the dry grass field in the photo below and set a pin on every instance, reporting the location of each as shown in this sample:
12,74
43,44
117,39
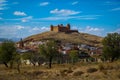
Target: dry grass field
78,71
83,38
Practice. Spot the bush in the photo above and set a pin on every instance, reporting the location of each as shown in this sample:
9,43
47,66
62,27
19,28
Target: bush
62,72
69,71
34,73
78,73
37,72
65,72
118,75
104,72
91,70
109,66
101,67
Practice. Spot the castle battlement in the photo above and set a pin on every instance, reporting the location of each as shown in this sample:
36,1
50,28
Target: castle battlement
61,28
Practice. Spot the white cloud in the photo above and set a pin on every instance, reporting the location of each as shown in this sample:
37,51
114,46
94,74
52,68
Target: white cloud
1,8
84,17
45,28
44,3
2,1
118,30
111,3
26,19
29,17
36,30
74,3
19,13
90,29
57,18
9,31
116,9
3,4
64,12
19,27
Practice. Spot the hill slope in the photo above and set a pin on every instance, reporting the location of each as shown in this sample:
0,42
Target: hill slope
79,38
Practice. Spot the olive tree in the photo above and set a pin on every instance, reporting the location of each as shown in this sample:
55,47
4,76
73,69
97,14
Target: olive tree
7,50
111,46
48,50
74,55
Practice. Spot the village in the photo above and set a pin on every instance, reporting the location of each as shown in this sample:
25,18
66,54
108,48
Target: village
86,53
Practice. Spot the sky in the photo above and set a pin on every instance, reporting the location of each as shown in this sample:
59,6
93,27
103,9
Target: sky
22,18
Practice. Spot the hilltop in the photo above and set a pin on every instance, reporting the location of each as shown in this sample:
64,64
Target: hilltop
77,38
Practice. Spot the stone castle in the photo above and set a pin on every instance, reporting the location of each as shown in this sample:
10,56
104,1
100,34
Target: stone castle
61,28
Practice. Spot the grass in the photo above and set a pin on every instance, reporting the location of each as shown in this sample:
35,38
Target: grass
83,38
79,71
91,70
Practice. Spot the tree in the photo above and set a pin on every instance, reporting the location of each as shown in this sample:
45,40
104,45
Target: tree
17,59
74,55
48,50
111,46
7,50
32,57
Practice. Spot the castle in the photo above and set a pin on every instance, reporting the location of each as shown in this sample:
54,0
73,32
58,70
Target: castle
61,28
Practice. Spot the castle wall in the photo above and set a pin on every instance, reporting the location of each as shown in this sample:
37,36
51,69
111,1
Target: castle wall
61,28
56,29
70,31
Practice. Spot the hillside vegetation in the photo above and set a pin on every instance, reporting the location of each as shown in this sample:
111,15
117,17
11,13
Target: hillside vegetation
79,38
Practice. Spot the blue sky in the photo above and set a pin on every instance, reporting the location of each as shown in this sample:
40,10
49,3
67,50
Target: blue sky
22,18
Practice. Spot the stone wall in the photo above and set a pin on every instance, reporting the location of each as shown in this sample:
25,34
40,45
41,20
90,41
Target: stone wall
61,28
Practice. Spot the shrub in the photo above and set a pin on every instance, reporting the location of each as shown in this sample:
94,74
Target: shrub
109,66
37,72
34,73
62,72
78,73
91,70
65,72
118,75
69,71
104,72
101,67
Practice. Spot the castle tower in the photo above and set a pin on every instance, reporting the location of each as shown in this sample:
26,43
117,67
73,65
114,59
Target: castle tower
61,25
68,26
51,28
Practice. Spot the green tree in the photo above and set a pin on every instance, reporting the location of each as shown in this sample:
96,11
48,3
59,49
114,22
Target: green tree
74,55
111,46
17,60
7,50
49,51
33,57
